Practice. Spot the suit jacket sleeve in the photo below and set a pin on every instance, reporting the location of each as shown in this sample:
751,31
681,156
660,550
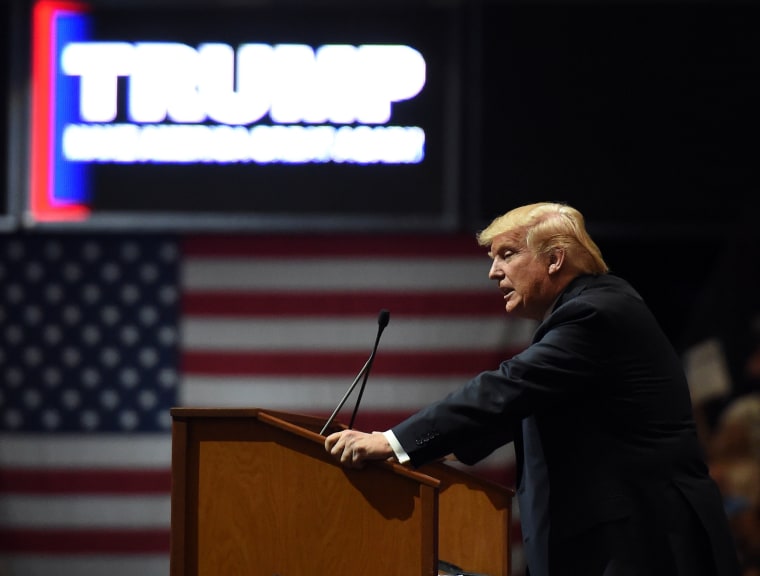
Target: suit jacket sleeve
487,411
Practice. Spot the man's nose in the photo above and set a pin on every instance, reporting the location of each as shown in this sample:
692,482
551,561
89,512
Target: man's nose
494,272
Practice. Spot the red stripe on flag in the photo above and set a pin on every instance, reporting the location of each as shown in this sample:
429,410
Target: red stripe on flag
443,363
225,303
297,248
92,541
67,481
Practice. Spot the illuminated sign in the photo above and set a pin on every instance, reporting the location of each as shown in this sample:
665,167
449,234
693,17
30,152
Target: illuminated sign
56,187
238,115
290,83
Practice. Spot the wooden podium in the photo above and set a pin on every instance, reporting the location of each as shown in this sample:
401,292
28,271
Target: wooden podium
255,494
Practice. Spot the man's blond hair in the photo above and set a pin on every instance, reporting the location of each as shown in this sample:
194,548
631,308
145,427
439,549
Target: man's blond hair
547,226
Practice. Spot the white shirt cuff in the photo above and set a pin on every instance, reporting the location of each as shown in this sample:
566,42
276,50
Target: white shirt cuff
400,453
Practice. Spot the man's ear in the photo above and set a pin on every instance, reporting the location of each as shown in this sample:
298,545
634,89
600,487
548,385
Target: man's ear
556,260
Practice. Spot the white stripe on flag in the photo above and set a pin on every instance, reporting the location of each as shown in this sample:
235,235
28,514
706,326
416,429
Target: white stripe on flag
310,394
79,511
54,565
240,334
102,451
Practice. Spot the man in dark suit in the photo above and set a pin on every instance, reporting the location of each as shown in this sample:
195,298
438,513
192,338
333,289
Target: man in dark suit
611,476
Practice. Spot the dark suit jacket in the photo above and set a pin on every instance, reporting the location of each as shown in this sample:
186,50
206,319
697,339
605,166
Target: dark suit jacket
612,408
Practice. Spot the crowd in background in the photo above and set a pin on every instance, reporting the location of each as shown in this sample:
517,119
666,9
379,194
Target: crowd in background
723,365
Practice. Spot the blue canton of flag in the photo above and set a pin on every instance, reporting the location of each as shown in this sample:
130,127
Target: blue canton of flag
89,338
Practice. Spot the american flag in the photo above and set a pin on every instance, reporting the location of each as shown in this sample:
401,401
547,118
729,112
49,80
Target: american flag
100,335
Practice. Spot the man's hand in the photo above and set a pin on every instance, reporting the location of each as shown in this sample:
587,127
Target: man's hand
353,448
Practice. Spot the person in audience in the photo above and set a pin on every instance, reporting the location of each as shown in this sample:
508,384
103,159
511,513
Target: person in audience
612,478
734,461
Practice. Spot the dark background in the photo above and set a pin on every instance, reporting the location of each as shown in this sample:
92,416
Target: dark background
641,114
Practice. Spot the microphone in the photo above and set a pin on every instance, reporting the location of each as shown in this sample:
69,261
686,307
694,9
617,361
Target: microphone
382,321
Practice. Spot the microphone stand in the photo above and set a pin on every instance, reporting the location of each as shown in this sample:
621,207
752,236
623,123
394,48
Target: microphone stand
366,369
382,322
363,372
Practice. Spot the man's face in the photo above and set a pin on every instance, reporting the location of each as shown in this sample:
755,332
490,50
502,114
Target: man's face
522,277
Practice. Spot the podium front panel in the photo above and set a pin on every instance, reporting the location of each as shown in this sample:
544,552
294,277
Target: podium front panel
255,500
